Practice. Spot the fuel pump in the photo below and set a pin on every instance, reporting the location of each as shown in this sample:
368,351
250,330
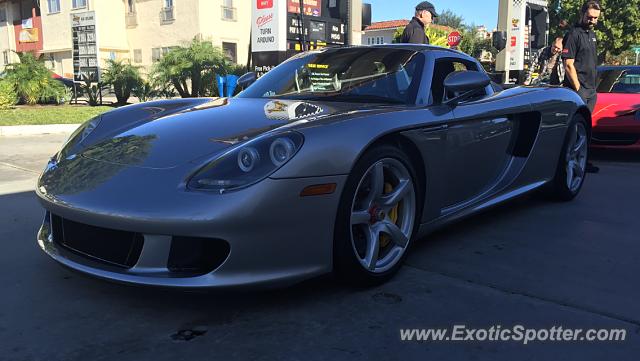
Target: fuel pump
525,25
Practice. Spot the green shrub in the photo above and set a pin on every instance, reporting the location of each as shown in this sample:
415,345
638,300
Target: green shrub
145,91
92,92
124,78
8,97
33,82
191,69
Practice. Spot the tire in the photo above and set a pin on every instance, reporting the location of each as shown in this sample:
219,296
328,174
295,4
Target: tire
571,171
373,231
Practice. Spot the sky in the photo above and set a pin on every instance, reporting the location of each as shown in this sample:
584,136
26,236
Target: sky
480,12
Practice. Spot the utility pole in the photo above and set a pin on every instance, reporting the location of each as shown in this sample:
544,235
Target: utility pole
302,36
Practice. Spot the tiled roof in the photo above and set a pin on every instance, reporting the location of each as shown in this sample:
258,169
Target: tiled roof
391,24
394,24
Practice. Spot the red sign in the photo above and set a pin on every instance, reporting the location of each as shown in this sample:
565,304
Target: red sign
514,41
454,39
311,7
265,4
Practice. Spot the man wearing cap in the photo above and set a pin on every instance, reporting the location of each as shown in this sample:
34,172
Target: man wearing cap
414,32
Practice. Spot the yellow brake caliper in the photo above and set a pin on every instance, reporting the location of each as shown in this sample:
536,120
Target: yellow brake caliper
393,215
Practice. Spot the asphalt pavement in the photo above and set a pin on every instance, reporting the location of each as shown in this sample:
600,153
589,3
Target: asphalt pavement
531,262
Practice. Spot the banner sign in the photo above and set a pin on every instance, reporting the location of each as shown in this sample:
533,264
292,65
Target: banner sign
85,47
311,7
269,26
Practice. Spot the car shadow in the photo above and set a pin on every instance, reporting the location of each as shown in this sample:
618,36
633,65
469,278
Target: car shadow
615,155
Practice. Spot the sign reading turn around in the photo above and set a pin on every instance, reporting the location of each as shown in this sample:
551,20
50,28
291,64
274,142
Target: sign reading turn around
85,47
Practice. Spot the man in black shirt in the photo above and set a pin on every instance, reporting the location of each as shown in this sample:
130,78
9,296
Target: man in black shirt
414,32
580,58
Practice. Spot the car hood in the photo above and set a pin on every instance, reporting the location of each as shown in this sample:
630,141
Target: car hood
201,131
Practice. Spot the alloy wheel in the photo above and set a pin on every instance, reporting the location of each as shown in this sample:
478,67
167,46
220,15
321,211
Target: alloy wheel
383,215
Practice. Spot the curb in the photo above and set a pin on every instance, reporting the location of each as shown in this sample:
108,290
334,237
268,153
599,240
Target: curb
17,130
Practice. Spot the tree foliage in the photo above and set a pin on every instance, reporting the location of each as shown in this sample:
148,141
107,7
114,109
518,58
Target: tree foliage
123,76
617,31
472,44
449,18
437,37
191,69
8,97
33,82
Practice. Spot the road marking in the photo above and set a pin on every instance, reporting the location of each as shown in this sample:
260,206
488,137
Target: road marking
19,168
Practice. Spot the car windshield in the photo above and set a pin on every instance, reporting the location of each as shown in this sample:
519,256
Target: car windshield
368,75
619,81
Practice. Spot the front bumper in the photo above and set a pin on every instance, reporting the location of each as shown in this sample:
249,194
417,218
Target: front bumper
276,237
616,133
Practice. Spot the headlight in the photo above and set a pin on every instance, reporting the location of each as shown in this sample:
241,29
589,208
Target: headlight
247,164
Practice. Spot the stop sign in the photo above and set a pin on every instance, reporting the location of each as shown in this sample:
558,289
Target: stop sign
454,39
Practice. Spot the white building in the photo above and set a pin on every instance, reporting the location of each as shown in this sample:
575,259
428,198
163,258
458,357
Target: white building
382,32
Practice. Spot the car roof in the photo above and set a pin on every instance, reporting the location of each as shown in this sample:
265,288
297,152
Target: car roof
619,67
413,47
422,48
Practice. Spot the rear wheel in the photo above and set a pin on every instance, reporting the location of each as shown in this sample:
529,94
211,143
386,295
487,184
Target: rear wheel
377,217
571,171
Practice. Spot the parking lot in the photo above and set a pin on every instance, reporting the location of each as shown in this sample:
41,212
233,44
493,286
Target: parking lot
531,262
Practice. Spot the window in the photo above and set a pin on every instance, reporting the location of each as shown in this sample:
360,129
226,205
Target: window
167,15
158,53
5,55
131,6
54,6
619,80
230,50
228,11
137,56
3,14
443,68
77,4
377,75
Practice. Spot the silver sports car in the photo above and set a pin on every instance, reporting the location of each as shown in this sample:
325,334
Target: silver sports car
335,161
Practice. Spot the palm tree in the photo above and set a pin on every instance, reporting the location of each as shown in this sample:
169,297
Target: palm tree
190,69
123,76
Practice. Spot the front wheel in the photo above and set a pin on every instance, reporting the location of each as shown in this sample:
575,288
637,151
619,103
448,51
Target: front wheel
571,171
377,217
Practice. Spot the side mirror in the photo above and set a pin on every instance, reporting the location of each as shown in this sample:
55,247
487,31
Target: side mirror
464,84
247,79
499,40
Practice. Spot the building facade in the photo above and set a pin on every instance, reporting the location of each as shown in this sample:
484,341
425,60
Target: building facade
382,32
138,30
141,31
20,29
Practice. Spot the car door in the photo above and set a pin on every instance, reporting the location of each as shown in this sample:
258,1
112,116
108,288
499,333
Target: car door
477,139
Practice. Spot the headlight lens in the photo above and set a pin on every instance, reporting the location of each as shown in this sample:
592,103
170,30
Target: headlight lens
281,150
248,158
247,164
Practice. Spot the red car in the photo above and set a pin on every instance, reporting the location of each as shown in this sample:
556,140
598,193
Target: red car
616,117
